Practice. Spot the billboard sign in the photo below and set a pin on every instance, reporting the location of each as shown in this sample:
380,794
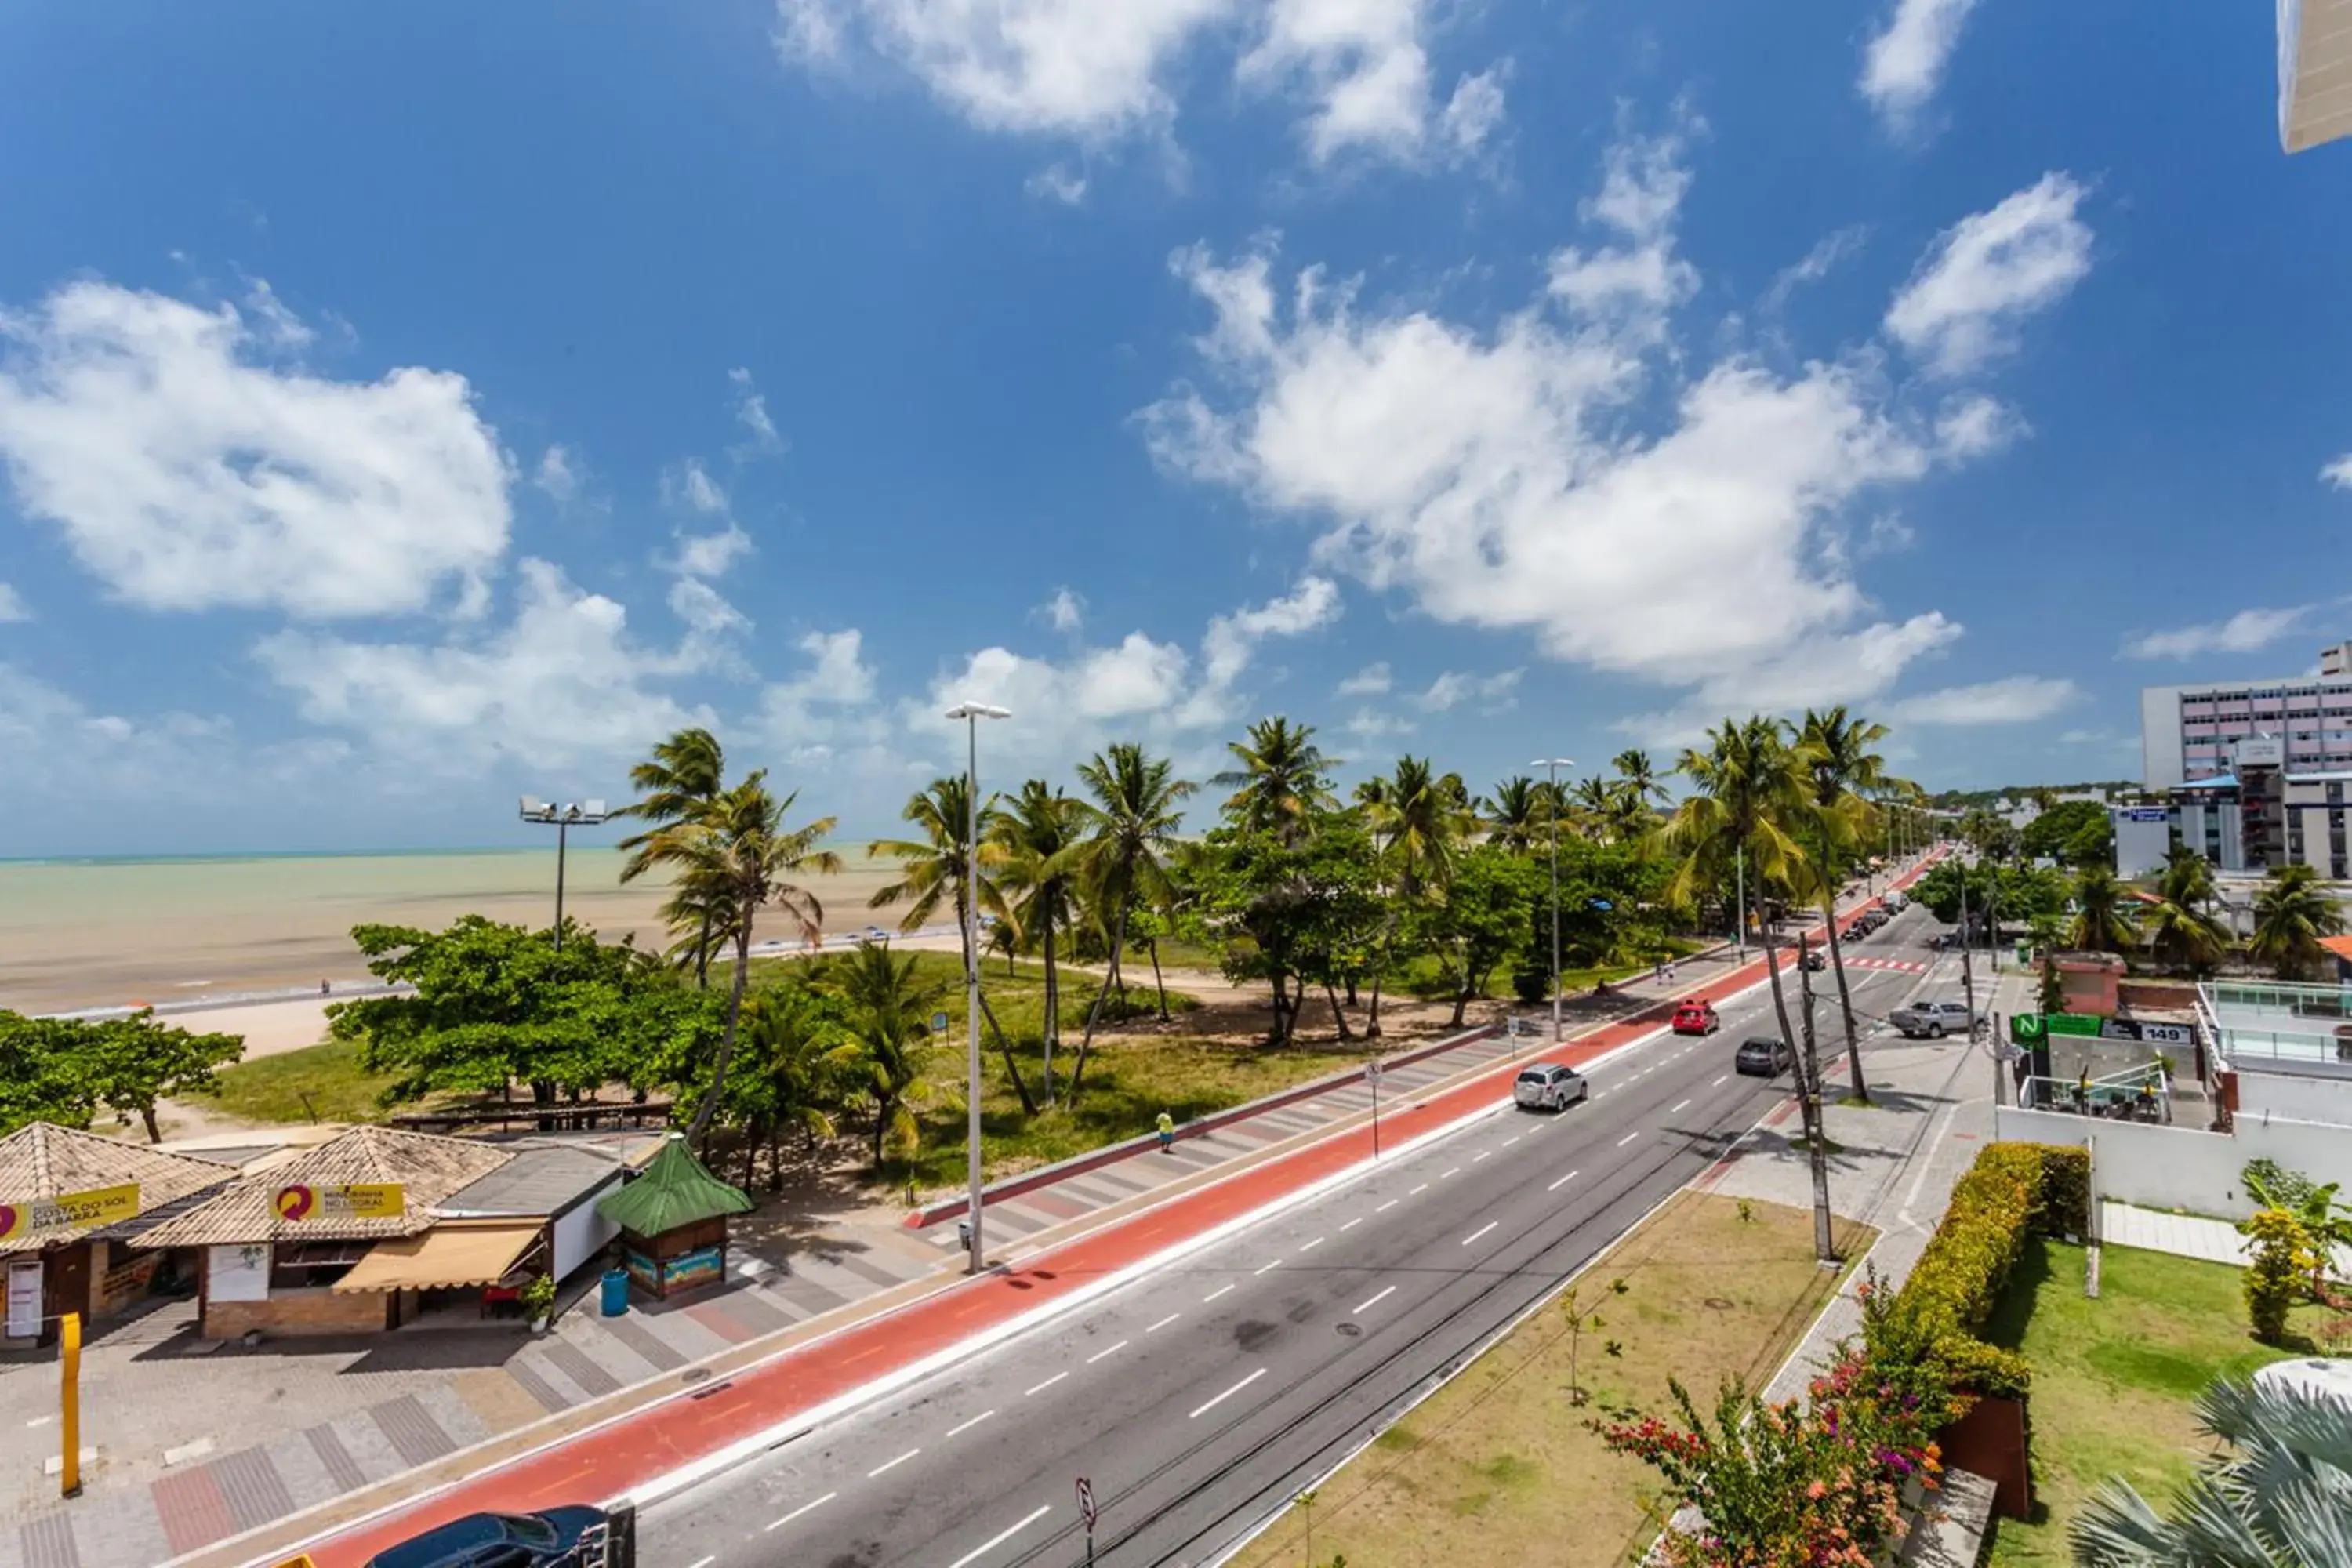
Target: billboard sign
352,1200
98,1205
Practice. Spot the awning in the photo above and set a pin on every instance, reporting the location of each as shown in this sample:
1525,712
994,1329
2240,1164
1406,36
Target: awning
447,1256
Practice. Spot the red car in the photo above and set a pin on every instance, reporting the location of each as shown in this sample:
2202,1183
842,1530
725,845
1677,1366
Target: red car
1697,1018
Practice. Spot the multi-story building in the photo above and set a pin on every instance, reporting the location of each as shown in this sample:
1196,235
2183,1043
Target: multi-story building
2190,733
2314,72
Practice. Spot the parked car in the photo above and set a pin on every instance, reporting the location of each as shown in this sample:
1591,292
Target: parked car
571,1537
1933,1019
1696,1017
1766,1058
1550,1086
1815,959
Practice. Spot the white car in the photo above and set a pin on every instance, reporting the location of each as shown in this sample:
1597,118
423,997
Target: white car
1933,1019
1550,1086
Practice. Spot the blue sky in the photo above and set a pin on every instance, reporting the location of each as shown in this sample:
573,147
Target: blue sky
404,409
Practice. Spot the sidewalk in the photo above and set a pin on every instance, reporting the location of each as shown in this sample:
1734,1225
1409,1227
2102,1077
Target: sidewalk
667,1388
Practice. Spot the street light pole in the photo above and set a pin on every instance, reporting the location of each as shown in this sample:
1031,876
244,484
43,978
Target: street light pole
586,814
1551,766
972,713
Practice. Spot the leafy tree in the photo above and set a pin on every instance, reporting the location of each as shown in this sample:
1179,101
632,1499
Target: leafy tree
1281,781
678,782
889,1011
131,1063
1123,860
2292,913
1482,917
1286,908
1035,839
2103,921
1991,835
794,1068
2273,1496
42,1072
2072,833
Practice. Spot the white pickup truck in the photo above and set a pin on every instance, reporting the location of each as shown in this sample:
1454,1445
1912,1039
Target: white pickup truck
1933,1019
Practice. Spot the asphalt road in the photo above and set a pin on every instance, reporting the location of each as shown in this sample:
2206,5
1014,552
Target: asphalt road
1198,1398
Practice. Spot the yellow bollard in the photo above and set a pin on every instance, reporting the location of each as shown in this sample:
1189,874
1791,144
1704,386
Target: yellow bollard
69,1401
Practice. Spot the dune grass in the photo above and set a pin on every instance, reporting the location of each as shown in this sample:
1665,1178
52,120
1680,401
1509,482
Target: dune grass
318,1083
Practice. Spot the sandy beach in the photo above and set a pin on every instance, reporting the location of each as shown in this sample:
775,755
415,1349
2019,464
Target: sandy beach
101,935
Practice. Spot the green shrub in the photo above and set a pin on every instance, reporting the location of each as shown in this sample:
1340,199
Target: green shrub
2279,1273
2065,1189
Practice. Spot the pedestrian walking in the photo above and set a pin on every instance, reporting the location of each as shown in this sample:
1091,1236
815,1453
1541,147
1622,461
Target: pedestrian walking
1167,1133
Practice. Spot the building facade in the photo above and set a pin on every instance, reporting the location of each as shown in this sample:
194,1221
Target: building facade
2191,733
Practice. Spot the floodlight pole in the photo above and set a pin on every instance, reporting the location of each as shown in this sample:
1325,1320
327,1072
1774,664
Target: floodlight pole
1551,766
563,817
972,713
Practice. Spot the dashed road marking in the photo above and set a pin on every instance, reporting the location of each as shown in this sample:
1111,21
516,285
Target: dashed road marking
1163,1322
1562,1182
1353,1223
1114,1350
1456,1172
1363,1306
888,1465
999,1538
804,1508
1480,1231
1226,1394
1215,1294
1418,1191
1627,1139
1718,1083
1276,1264
1386,1206
967,1425
1311,1246
1678,1110
1044,1386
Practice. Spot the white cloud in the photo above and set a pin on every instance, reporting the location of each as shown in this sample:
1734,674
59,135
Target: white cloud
1064,612
187,472
1640,280
710,554
2019,698
2339,472
1231,640
1535,475
1904,61
1453,689
1056,182
90,755
825,718
555,476
752,412
1373,680
1139,676
1369,724
12,606
563,683
690,485
273,322
1363,65
1475,111
1827,253
1990,269
2248,631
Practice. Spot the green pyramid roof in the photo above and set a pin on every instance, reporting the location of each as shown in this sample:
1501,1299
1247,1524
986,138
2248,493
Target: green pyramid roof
676,1189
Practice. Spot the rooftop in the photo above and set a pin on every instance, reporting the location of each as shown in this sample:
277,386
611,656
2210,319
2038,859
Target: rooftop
2279,1026
427,1168
541,1179
40,1161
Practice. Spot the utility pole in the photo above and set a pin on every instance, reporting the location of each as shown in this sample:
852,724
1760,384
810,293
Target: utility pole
1740,852
1967,972
1809,1088
1551,766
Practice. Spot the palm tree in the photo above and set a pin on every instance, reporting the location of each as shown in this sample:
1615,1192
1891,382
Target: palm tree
801,1066
1842,772
683,776
1130,837
741,851
2180,927
1033,839
1425,820
1746,788
1280,782
2292,913
1516,815
888,1010
1591,808
1639,778
937,867
2274,1496
2102,922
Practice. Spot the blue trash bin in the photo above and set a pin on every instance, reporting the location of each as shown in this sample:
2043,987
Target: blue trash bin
616,1292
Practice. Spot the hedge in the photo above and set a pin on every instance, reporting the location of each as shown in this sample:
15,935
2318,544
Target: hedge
2011,1190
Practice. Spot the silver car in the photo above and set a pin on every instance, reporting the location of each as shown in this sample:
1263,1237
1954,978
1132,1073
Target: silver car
1933,1019
1550,1086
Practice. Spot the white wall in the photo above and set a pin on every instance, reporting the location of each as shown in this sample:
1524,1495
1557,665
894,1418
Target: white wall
2179,1168
240,1272
582,1233
2264,1095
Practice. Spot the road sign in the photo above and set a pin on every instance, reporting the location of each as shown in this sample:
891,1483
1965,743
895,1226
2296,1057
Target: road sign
1086,1501
1373,1074
97,1205
352,1200
938,1023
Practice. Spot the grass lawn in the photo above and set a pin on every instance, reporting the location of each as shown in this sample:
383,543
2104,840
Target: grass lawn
319,1083
2113,1379
1498,1465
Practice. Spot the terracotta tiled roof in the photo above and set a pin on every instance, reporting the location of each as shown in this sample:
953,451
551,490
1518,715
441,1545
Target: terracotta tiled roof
41,1161
2341,946
429,1168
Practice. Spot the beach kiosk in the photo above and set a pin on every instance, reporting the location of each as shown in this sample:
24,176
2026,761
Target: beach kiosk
673,1221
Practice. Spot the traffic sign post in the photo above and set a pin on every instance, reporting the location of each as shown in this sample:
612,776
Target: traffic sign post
1087,1512
1372,1076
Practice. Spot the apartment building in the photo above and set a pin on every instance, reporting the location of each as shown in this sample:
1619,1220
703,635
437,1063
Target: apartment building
2190,733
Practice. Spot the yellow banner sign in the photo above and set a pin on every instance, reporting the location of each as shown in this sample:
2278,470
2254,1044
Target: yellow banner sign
99,1205
352,1200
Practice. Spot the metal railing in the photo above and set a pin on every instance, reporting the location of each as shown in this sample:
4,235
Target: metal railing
2137,1094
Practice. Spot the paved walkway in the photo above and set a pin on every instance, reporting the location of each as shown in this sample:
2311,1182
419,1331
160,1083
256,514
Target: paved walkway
2184,1236
194,1450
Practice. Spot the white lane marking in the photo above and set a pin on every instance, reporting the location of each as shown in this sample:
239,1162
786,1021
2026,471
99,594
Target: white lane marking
803,1509
1226,1394
1353,1223
1480,1231
1456,1172
888,1464
1627,1139
1386,1206
1161,1324
1311,1246
1718,1083
1276,1264
1562,1182
1509,1142
702,1562
1112,1351
1480,1155
1418,1191
1363,1306
1044,1386
1679,1108
993,1542
1215,1294
967,1425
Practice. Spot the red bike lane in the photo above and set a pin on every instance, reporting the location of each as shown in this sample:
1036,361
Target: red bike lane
609,1462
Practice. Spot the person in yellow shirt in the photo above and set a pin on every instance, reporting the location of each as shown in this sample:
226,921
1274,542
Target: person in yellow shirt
1167,1133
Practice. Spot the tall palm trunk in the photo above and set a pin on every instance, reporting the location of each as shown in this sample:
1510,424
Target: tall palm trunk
698,1130
1003,1048
1159,984
1837,967
1809,1103
1094,1014
702,955
1053,1007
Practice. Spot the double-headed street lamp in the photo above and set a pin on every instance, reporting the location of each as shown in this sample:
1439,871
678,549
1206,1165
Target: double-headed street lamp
1551,766
565,817
972,713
